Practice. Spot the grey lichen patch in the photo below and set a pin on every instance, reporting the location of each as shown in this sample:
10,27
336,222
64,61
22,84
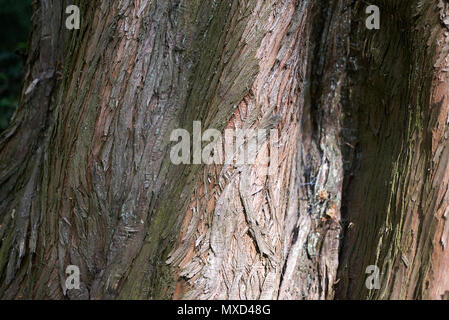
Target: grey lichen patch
312,244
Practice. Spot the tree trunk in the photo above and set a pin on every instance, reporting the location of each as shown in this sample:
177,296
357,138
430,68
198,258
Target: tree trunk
396,196
359,121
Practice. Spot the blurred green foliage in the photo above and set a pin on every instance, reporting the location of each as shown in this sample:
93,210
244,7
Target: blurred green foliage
15,18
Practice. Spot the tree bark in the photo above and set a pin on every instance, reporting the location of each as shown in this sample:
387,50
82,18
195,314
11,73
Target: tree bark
360,116
396,197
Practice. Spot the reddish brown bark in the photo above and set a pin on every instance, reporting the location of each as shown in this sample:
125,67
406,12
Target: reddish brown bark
86,177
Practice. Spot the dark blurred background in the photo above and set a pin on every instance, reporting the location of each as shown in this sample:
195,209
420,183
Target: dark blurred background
15,18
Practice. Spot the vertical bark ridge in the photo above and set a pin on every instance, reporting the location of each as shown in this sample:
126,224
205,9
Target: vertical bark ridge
396,199
301,230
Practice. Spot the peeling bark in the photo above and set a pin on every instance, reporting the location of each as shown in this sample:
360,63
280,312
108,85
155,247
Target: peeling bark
360,118
229,260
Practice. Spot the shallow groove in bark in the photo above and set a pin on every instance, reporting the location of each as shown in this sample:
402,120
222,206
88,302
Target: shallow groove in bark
86,176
